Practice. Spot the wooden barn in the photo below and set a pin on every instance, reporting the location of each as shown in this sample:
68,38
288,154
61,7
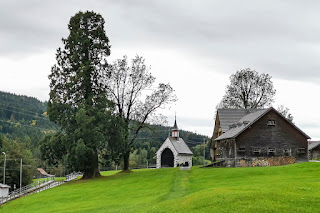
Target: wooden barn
174,152
257,137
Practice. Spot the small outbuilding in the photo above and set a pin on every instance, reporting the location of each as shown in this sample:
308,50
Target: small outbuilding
174,151
4,190
314,150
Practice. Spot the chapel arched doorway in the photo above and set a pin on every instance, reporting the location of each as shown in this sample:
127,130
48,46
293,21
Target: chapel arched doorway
167,158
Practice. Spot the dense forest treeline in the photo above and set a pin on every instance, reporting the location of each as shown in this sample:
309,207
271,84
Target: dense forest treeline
24,123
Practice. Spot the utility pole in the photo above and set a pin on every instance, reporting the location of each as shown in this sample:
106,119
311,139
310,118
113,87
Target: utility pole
4,168
204,152
20,174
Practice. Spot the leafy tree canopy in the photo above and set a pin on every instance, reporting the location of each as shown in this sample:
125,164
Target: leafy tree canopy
15,151
248,89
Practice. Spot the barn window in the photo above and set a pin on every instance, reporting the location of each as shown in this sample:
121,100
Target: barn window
271,122
242,149
256,151
271,151
287,152
301,150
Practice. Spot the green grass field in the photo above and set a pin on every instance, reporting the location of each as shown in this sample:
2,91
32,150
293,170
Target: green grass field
292,188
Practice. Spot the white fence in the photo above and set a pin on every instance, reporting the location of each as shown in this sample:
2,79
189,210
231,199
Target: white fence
37,187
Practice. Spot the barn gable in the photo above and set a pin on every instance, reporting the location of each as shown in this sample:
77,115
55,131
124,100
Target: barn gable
227,117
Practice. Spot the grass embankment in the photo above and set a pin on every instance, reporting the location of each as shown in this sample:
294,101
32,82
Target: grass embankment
292,188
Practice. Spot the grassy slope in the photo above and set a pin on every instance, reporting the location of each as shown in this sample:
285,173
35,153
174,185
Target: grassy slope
290,188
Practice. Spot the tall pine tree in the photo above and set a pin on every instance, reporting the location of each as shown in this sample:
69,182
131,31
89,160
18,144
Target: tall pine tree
78,100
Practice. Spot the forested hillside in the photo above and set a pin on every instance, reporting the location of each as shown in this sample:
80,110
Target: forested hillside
24,123
24,118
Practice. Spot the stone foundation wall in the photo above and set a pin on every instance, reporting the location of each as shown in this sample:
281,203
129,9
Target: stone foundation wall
277,161
260,161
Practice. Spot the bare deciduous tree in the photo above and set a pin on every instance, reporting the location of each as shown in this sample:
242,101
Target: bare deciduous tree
285,112
127,87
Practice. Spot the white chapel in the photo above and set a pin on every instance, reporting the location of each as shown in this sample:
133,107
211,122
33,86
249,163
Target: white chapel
174,151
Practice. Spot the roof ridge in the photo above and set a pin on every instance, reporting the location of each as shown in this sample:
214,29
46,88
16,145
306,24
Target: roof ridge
232,133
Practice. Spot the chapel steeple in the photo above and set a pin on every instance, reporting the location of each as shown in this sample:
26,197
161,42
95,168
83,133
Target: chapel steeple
175,129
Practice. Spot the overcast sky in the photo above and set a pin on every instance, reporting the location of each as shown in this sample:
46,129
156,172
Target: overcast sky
193,45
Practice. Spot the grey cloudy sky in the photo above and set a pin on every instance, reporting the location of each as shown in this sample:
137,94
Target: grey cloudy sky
194,45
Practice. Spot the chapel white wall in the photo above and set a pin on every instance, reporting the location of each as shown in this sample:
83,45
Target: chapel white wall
181,159
166,144
178,159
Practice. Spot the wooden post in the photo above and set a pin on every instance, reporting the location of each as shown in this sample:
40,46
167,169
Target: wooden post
235,152
204,152
20,174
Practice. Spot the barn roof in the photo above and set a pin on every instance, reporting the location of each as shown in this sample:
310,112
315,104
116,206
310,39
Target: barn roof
247,120
228,117
313,145
180,146
44,172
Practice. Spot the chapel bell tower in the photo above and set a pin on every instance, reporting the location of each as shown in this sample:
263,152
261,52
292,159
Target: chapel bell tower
175,129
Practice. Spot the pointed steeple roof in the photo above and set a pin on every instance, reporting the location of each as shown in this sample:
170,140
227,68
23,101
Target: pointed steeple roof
175,126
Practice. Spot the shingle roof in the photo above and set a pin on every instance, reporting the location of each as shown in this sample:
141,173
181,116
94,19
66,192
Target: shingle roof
44,172
228,117
313,145
244,122
180,146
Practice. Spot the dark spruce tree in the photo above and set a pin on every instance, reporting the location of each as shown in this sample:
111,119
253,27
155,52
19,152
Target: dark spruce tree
78,100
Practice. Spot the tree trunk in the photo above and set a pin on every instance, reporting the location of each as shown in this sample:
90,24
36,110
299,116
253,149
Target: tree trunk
91,174
127,153
126,161
94,171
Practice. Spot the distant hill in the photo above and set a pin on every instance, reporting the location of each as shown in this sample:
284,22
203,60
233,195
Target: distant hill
21,115
159,133
25,119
